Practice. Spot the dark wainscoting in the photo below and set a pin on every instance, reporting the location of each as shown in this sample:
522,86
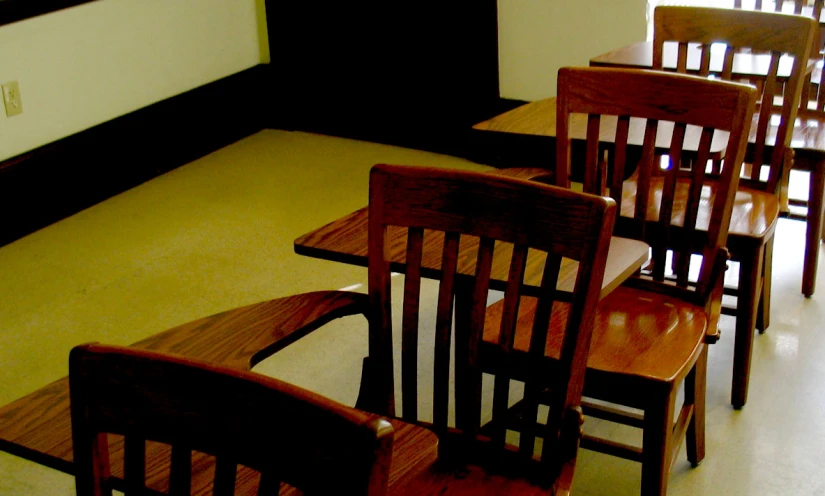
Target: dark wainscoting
414,74
62,178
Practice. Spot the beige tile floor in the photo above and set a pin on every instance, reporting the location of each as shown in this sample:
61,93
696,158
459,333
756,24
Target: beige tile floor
217,233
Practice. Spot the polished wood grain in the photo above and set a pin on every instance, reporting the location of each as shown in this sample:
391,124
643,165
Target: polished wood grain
345,240
285,433
639,55
529,216
539,118
38,426
809,151
651,334
779,34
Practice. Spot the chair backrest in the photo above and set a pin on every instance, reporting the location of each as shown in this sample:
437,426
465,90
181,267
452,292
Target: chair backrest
284,432
482,227
786,6
777,34
688,217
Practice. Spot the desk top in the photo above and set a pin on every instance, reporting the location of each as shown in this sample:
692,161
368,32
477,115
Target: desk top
38,427
640,56
539,119
345,240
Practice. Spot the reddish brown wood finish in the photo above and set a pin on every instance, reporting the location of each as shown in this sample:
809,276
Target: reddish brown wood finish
778,34
746,65
528,215
345,240
811,97
651,335
806,140
781,35
38,426
283,432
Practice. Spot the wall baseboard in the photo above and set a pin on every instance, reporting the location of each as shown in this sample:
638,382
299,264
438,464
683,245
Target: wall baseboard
62,178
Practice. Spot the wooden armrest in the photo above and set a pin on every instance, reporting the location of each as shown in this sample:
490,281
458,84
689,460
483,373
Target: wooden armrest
244,336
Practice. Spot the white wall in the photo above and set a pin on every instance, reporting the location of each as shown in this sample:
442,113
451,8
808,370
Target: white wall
83,66
537,37
88,64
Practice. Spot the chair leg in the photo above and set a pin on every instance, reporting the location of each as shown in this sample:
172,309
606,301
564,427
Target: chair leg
657,440
763,317
695,393
750,275
814,228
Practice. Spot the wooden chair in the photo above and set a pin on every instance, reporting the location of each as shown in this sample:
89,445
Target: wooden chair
535,225
769,156
473,213
283,432
650,334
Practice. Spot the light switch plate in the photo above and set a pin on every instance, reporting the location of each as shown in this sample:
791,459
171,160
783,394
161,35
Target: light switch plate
12,99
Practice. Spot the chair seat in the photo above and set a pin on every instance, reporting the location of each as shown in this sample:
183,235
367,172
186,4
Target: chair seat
754,214
637,333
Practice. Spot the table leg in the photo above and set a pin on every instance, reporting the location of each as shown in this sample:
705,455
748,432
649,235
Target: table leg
814,227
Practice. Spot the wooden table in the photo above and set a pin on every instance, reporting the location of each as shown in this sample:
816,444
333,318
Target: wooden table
37,427
807,141
345,240
640,56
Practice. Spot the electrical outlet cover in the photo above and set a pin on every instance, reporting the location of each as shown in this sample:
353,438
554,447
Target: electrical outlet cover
12,99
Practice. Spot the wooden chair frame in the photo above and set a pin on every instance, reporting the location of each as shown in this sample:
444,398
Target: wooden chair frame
777,34
657,97
282,431
496,214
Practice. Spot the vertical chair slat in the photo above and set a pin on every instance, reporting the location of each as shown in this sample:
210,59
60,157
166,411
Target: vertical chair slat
134,465
681,60
443,331
768,93
512,297
662,241
620,158
468,383
727,64
593,157
409,326
704,64
692,208
225,473
786,123
646,165
538,339
270,484
180,472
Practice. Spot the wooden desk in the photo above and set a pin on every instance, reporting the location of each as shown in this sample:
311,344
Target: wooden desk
640,56
539,119
345,240
37,427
